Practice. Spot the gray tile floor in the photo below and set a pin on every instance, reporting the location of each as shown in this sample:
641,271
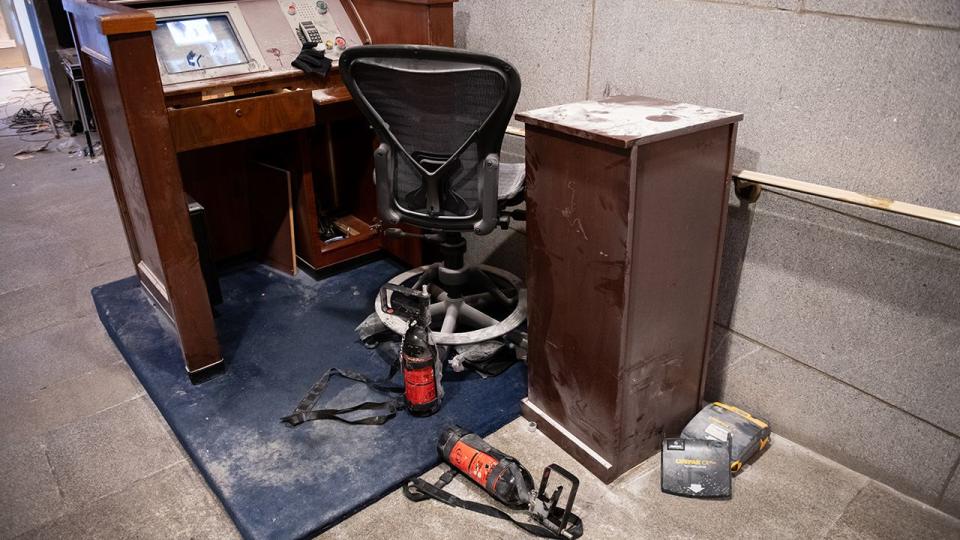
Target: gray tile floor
84,453
790,492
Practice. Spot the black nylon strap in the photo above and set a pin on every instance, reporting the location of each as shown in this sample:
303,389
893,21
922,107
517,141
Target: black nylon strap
417,496
418,490
304,412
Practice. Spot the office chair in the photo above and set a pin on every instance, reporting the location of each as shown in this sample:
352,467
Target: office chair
440,115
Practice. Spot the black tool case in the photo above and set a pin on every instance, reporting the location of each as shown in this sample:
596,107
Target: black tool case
695,468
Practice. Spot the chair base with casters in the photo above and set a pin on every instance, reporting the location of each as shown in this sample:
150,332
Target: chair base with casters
461,297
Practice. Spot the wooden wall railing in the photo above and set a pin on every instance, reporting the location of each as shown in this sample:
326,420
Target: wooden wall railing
749,185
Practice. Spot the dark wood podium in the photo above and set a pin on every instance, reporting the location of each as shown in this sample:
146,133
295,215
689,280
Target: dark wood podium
257,150
626,201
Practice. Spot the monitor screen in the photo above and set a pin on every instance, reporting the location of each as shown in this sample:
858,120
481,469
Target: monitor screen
193,43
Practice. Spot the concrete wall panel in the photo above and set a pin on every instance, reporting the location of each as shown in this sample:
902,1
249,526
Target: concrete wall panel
839,421
838,101
547,41
951,497
871,306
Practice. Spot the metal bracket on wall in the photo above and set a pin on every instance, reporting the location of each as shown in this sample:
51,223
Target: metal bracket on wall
749,184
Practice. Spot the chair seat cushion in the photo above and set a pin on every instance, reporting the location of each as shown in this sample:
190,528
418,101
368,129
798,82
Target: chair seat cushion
512,176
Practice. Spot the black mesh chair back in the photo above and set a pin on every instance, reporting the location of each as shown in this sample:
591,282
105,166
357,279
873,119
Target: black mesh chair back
440,114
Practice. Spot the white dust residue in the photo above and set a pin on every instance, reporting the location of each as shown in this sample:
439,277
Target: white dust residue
629,119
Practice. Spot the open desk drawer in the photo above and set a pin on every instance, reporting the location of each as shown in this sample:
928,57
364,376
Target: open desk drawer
239,119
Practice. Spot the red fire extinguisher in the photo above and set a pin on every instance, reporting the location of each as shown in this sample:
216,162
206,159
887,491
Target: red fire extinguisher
421,372
498,474
506,480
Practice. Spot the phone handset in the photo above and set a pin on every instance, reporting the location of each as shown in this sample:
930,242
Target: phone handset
309,32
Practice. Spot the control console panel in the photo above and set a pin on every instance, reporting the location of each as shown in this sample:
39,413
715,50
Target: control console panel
198,41
312,22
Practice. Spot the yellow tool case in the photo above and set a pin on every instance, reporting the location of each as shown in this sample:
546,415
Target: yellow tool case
718,421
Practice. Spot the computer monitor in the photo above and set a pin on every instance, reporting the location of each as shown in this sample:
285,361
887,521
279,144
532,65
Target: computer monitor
194,43
204,42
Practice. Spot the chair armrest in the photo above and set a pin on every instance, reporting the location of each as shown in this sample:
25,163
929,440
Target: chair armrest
489,188
383,167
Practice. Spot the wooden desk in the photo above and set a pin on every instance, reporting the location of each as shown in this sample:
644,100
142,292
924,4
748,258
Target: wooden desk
626,202
248,147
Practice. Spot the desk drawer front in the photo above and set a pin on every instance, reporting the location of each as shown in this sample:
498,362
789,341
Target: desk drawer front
239,119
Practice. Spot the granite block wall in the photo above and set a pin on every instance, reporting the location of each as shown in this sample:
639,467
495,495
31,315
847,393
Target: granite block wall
841,324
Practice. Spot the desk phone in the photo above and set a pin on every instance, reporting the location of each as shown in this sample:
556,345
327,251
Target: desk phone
312,21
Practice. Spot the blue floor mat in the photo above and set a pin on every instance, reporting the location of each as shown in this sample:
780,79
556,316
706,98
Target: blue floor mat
279,335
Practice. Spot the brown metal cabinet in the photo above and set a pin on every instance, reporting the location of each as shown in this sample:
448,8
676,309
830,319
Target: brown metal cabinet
626,202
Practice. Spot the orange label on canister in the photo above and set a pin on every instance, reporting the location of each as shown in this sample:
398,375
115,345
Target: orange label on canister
472,461
419,387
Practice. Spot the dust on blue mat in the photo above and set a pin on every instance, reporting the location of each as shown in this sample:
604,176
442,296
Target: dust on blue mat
279,334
